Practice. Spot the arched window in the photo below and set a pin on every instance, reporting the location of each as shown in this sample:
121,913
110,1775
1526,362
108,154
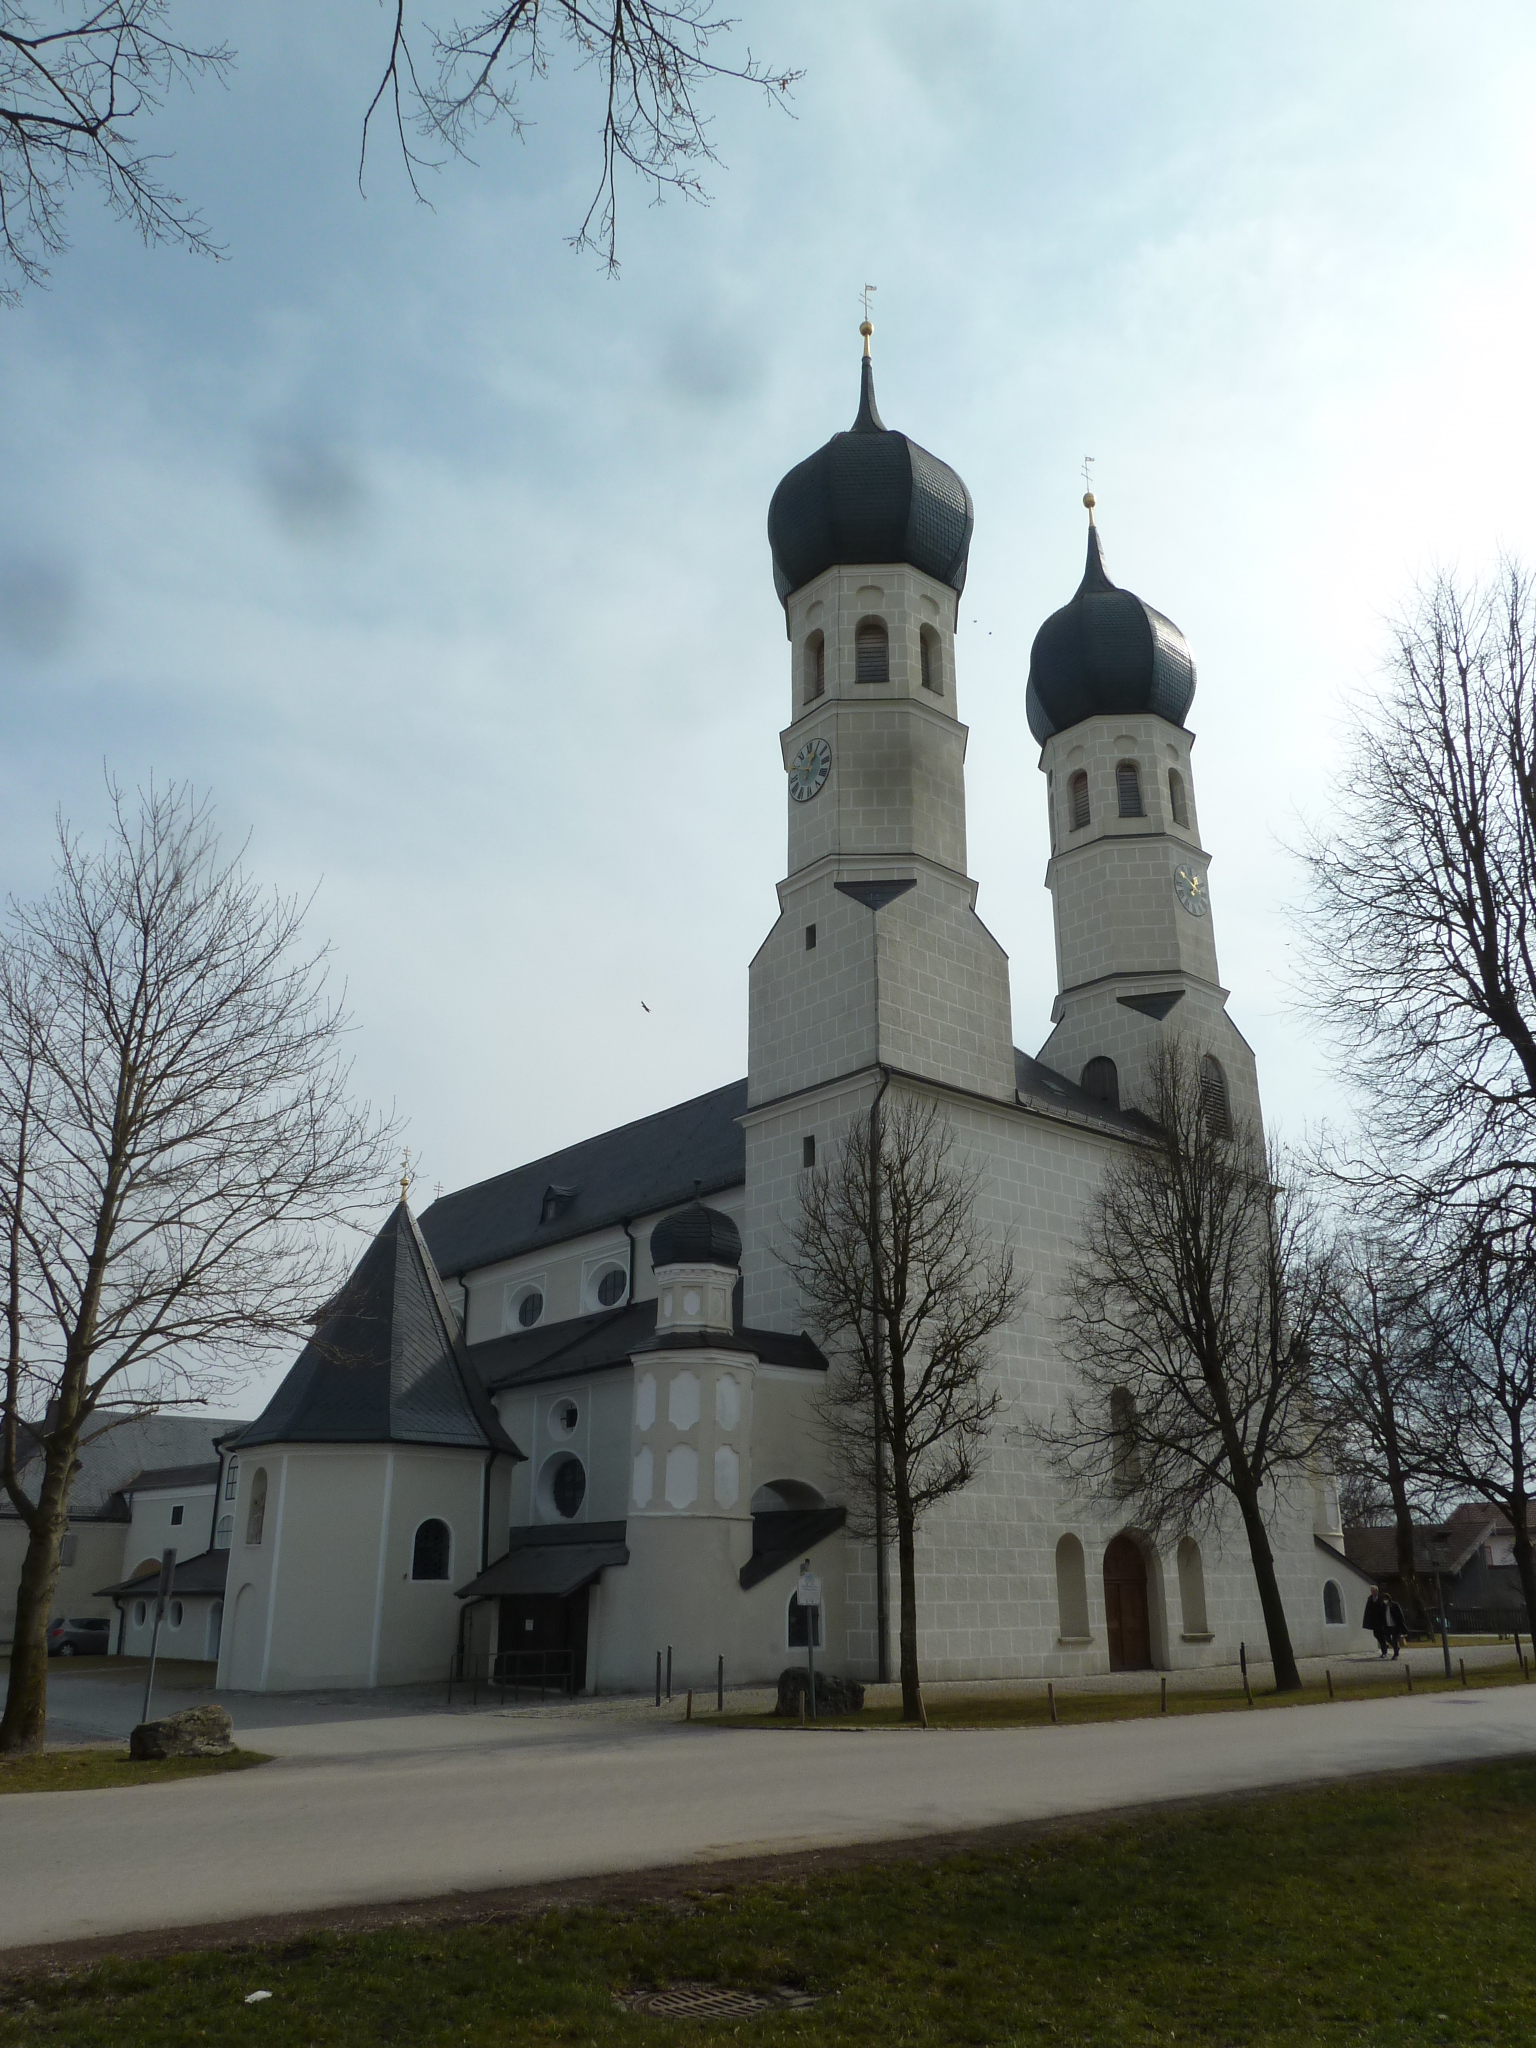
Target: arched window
1050,805
431,1551
932,658
815,666
1192,1588
224,1535
1126,1459
1333,1604
1176,802
1077,798
871,653
1071,1591
258,1509
1214,1104
803,1626
232,1479
1128,790
1101,1080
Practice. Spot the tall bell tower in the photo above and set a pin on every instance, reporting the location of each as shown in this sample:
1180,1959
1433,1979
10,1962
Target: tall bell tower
877,964
1111,681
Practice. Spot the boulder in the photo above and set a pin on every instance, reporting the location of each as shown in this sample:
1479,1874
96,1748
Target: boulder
200,1731
833,1695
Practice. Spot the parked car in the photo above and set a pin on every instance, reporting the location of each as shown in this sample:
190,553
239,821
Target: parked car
88,1636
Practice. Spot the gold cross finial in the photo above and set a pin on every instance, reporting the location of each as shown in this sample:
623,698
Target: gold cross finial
406,1176
1088,498
866,325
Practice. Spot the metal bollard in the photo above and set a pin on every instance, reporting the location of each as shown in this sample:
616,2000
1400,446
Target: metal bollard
688,1711
669,1671
1408,1669
1329,1676
720,1685
1463,1663
658,1678
1162,1705
1050,1694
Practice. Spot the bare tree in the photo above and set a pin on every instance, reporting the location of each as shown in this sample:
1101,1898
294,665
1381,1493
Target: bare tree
78,80
81,79
904,1288
1188,1315
177,1145
1422,889
1372,1355
650,56
1478,1433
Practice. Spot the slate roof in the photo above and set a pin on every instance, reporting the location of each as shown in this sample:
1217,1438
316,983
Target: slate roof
206,1573
633,1171
601,1342
1374,1551
119,1446
386,1364
551,1559
1043,1088
171,1478
781,1535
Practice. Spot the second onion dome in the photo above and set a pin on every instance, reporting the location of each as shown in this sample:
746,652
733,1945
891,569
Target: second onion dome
696,1236
1106,652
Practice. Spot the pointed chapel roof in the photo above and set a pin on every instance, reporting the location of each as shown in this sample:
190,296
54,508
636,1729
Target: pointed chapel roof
386,1363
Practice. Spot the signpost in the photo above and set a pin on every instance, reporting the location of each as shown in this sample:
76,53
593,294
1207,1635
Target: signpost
808,1593
167,1580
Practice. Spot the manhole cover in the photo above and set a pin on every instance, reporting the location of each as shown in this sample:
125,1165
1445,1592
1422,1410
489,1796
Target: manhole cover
711,2002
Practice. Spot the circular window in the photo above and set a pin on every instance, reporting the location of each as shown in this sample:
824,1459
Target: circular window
530,1308
139,1613
567,1487
613,1286
564,1417
173,1614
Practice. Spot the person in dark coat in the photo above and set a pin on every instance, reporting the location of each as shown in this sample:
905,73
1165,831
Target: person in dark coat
1397,1628
1376,1618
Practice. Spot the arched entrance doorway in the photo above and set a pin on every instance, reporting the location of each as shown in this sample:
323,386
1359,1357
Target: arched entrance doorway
1127,1622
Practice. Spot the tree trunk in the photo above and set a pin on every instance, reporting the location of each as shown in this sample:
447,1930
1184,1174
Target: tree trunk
1525,1560
906,1557
1407,1572
1282,1656
26,1701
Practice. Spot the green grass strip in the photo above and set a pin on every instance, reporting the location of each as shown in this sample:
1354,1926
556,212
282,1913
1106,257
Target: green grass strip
96,1770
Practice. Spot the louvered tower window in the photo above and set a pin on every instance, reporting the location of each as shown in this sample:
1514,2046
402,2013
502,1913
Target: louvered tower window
1176,802
932,660
1101,1080
1213,1098
815,667
1128,790
871,653
1077,799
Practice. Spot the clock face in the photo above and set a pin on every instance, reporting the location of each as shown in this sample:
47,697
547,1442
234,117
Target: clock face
1190,889
809,770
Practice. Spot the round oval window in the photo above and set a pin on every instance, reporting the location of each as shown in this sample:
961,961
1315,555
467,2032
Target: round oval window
173,1614
530,1308
568,1488
139,1612
612,1287
564,1416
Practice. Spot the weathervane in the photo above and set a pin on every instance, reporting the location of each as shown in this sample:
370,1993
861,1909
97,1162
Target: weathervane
1088,498
866,325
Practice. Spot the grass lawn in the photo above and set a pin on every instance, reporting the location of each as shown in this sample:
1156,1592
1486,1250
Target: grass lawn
1398,1911
1032,1709
93,1770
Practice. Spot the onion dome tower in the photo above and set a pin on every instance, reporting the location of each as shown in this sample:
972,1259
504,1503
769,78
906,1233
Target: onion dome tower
1111,680
695,1254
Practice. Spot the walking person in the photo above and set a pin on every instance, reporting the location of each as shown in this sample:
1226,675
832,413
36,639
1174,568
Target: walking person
1376,1618
1397,1628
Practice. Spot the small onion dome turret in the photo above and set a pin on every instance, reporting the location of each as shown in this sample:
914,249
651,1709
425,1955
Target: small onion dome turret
869,495
696,1236
1106,652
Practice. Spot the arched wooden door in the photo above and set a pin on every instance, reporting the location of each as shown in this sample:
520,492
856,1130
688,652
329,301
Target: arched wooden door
1127,1621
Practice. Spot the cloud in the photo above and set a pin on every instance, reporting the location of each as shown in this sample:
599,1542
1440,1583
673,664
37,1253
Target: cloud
39,604
315,489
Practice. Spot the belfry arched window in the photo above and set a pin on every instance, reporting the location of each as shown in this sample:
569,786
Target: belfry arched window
1077,800
1101,1080
1176,803
815,667
931,655
1214,1102
871,652
1128,790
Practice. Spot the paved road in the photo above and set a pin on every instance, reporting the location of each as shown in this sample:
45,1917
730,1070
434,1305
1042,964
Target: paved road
423,1804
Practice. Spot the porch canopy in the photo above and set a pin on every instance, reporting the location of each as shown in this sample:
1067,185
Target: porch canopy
550,1560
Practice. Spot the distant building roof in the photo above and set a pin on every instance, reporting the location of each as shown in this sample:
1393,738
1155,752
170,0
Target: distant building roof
601,1342
1374,1551
173,1478
118,1446
654,1163
386,1364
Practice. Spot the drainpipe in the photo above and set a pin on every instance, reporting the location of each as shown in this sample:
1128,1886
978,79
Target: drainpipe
630,1295
485,1510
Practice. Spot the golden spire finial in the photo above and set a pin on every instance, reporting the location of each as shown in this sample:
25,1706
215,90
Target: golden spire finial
866,325
1088,498
406,1176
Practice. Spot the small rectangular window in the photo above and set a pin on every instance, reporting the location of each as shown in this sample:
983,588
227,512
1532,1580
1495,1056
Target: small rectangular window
807,1151
810,938
176,1514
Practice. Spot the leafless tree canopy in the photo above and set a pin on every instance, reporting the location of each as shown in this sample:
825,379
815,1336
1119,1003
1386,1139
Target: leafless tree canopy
1188,1317
78,83
177,1145
650,57
1422,890
904,1289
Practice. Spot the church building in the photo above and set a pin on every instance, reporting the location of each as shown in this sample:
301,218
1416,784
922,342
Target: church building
566,1422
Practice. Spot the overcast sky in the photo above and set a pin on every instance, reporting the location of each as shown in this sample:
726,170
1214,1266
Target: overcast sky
438,558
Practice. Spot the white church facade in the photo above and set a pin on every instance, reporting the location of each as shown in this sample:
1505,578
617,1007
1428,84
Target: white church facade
567,1419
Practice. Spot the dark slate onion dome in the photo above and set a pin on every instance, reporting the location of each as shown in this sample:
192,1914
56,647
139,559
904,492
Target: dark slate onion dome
1106,652
869,495
696,1236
